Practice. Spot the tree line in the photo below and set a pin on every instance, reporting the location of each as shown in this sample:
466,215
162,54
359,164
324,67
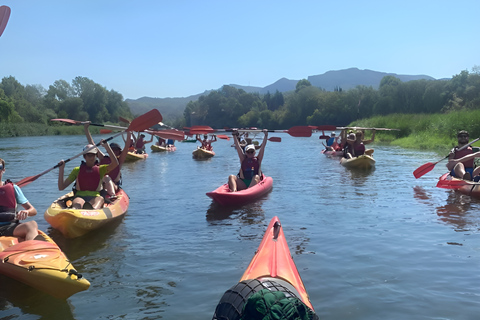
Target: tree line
82,100
308,105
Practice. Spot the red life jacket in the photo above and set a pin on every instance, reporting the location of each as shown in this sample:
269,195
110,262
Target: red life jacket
88,179
140,144
7,197
8,203
359,149
250,167
114,174
465,152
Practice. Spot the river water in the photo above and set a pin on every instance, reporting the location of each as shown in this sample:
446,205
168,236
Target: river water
373,244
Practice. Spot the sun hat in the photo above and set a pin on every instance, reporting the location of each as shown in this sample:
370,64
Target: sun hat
88,146
250,147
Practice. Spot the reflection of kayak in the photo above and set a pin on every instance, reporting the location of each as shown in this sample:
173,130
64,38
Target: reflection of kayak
271,268
360,162
225,197
74,223
132,156
40,264
332,153
156,148
201,153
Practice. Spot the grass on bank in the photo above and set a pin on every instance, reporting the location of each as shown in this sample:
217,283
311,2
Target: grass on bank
436,132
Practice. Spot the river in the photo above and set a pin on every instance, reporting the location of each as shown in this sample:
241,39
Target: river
376,244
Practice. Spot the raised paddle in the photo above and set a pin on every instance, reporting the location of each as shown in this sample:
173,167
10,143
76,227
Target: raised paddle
138,124
4,15
427,167
297,131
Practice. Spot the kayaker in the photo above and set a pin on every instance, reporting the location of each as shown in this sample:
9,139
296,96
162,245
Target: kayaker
113,180
88,177
207,144
161,142
10,196
356,144
461,163
332,143
140,143
250,173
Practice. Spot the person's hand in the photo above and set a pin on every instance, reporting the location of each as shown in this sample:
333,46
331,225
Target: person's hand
235,133
61,164
103,142
86,124
22,215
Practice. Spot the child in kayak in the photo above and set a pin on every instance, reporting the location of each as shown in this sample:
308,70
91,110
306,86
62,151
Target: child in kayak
250,173
207,144
88,177
461,163
140,143
355,145
10,196
113,180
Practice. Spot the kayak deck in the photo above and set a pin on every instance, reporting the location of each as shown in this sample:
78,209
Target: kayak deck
40,264
361,162
74,223
225,197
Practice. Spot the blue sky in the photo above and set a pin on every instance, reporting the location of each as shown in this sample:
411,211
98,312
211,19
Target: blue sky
180,48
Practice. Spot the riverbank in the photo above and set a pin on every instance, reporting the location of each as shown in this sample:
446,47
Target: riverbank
9,130
435,132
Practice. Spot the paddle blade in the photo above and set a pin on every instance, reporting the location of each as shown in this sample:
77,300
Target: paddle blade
300,131
324,137
222,136
201,130
275,139
122,119
66,121
145,121
27,180
4,15
327,128
424,169
169,134
105,131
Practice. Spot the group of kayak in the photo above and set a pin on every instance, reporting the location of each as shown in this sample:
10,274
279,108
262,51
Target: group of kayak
28,254
350,147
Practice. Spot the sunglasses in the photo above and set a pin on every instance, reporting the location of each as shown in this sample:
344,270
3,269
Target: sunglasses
1,166
251,151
463,136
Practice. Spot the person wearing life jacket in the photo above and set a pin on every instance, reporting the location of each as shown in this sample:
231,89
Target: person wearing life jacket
356,145
113,180
461,162
140,143
161,142
88,177
250,165
10,196
207,144
332,143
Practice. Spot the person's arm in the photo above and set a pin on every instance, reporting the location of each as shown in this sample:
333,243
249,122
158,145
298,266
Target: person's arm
28,209
214,138
452,162
100,154
114,161
239,149
198,138
148,140
372,139
62,183
124,153
262,147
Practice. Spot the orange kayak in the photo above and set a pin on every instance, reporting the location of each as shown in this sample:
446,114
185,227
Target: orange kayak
273,260
40,264
272,268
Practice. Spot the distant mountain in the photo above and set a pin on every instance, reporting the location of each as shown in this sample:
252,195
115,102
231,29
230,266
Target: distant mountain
172,108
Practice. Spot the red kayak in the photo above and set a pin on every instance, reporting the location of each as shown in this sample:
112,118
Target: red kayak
272,268
467,187
225,197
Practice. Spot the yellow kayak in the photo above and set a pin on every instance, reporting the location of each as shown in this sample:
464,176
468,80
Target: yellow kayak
156,148
74,223
201,153
132,156
40,264
361,162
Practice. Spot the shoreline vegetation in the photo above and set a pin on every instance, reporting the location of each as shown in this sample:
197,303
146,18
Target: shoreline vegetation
435,132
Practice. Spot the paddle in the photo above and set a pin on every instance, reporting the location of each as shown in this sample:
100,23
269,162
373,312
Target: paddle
275,139
427,167
297,131
173,134
362,128
138,124
222,136
105,131
4,15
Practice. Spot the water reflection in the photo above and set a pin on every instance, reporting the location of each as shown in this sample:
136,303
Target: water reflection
14,294
248,214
